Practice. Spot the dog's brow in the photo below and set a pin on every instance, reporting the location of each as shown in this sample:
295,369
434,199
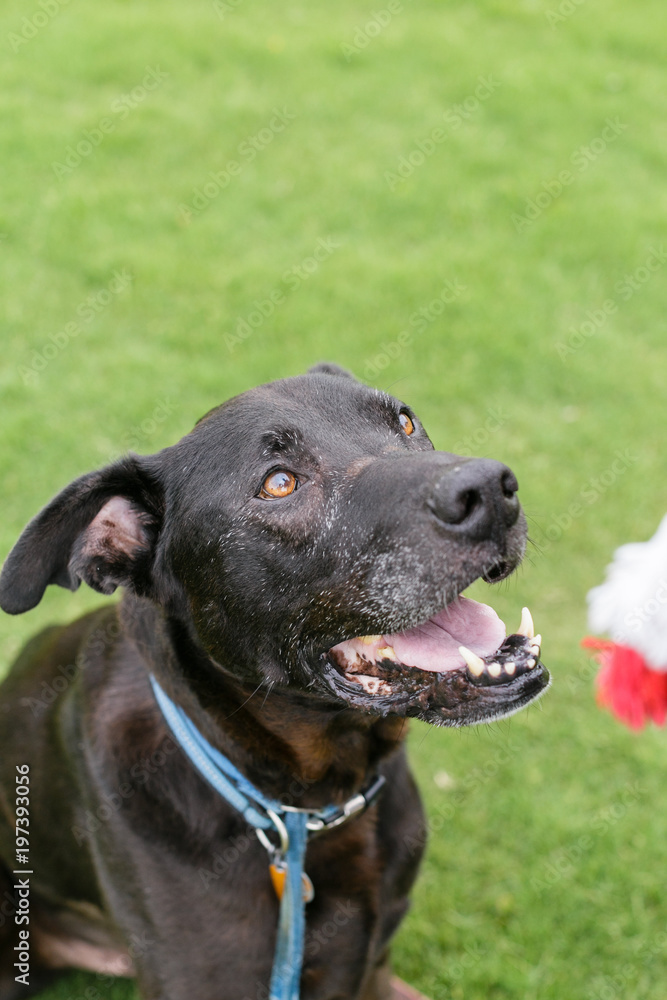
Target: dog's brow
281,440
387,404
385,398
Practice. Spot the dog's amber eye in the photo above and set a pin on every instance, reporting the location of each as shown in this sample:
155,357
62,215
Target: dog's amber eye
406,422
278,484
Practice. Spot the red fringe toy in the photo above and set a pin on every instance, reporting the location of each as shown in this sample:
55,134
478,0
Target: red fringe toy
631,606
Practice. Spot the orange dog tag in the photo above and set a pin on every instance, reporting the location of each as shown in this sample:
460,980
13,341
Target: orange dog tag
278,876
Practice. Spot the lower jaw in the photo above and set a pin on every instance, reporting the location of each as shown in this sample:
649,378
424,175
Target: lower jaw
499,703
455,697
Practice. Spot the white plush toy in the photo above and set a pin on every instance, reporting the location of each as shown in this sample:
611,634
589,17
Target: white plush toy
631,607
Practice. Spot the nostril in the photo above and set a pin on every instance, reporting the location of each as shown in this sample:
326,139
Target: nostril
455,507
497,572
509,484
476,497
456,504
469,501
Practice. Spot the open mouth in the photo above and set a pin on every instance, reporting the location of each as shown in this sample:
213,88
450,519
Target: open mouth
465,634
460,664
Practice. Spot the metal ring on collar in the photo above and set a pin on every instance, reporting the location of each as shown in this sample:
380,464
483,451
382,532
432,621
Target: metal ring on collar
319,823
281,830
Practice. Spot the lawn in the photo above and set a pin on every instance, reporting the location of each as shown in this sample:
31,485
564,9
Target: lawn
461,202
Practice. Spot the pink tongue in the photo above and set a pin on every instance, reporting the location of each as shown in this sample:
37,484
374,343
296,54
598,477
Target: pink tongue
434,645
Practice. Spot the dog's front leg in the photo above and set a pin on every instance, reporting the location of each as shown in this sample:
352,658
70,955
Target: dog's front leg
199,922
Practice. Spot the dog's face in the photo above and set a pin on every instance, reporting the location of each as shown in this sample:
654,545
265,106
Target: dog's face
310,537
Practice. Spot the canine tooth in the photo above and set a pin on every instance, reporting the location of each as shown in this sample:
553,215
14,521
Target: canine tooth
388,653
526,627
510,668
494,669
475,663
368,640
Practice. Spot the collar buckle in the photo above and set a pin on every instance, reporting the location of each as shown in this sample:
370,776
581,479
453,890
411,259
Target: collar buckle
353,807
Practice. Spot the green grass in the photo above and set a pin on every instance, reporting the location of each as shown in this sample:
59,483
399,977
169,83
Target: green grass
545,875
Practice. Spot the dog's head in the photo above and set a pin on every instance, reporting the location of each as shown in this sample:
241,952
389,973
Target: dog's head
309,536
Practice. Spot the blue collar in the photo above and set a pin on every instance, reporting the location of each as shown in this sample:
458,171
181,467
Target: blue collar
293,827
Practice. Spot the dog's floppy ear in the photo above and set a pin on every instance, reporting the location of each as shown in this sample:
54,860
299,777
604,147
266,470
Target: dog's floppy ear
102,529
329,368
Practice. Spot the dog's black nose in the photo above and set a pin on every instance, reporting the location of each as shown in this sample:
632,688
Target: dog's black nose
477,498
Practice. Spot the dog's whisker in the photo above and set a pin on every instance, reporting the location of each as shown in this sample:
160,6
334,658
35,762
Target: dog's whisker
269,688
249,698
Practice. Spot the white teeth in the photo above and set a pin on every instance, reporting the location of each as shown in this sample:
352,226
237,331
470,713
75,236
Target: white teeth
388,653
536,645
494,669
531,663
368,640
526,627
510,668
475,663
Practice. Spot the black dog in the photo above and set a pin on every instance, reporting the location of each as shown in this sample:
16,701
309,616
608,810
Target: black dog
292,569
